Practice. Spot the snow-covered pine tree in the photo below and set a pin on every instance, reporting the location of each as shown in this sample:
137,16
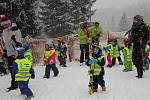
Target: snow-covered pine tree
23,13
62,16
124,23
80,10
55,17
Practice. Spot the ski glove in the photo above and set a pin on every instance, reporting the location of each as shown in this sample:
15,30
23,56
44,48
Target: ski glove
32,76
93,61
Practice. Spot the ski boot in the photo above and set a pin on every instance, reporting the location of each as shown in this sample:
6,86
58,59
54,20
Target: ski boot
46,77
109,66
138,76
94,90
11,88
81,64
103,88
56,74
29,97
120,63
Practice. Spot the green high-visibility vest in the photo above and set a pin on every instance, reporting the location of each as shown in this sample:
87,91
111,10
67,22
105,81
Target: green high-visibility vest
109,49
116,52
95,68
127,54
24,66
47,54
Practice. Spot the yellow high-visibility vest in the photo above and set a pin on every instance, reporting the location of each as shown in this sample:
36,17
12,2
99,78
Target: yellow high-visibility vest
95,67
24,66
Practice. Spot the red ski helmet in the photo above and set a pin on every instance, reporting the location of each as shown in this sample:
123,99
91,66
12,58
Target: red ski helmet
61,40
126,41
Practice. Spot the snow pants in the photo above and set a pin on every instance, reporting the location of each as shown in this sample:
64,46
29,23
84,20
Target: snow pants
137,59
109,59
48,69
98,80
114,60
24,89
13,82
62,60
84,48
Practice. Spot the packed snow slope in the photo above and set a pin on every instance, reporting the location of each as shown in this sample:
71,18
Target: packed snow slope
72,84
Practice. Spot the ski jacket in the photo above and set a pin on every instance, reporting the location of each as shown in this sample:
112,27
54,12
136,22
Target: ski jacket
50,56
96,31
139,36
96,65
109,49
83,37
22,69
116,52
127,53
62,50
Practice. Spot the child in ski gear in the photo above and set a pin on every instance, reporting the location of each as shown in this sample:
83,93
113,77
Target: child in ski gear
109,49
22,70
83,33
50,61
97,62
96,32
127,53
62,50
116,53
139,36
145,56
2,62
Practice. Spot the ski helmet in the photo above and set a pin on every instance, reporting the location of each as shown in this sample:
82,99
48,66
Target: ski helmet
126,41
61,40
97,51
20,52
26,46
97,22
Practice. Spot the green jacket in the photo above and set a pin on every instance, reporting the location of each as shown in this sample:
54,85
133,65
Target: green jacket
116,52
127,53
96,31
83,38
95,68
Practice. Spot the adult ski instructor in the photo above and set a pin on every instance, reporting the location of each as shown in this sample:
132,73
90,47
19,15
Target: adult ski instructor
139,36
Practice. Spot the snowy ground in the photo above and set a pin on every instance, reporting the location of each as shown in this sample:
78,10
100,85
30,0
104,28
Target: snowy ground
72,84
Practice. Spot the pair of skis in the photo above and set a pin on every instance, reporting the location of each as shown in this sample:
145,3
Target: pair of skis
91,81
90,91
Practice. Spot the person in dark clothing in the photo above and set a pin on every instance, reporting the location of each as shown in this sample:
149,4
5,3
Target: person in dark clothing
139,36
14,85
